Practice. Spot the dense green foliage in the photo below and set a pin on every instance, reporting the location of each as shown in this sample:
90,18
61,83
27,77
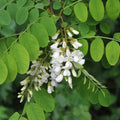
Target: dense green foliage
26,31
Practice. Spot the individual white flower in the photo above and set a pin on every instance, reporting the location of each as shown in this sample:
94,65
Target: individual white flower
69,33
66,72
68,65
30,92
68,51
82,61
55,45
59,78
28,97
36,86
19,96
24,82
70,81
54,83
76,58
56,54
50,89
56,35
58,69
64,45
22,98
23,88
76,44
61,58
74,31
74,72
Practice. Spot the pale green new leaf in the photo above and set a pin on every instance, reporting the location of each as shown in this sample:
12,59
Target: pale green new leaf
3,72
33,15
30,42
11,66
112,52
104,97
49,25
113,8
39,31
21,57
84,47
15,116
117,36
81,12
96,9
3,46
5,18
12,8
105,28
21,15
21,3
22,118
97,49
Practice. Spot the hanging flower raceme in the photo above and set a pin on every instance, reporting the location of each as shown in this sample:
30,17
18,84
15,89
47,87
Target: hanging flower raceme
38,76
64,55
61,66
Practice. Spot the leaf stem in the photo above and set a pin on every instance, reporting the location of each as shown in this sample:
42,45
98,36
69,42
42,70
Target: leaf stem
6,4
108,38
90,77
71,4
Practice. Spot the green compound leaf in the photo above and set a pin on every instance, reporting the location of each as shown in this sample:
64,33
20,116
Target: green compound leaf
34,14
5,18
35,112
15,116
113,8
22,118
39,31
84,47
11,66
44,99
96,9
112,52
12,8
21,57
3,46
83,28
81,12
49,25
3,72
56,5
21,3
105,28
97,49
21,15
30,42
104,97
67,11
117,36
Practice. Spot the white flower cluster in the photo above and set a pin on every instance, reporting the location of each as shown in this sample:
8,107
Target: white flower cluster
64,53
39,76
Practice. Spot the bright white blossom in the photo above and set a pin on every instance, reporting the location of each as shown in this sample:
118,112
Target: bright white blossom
69,33
76,44
74,31
59,66
56,35
59,78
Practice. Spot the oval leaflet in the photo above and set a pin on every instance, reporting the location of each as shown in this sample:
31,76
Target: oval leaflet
97,49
